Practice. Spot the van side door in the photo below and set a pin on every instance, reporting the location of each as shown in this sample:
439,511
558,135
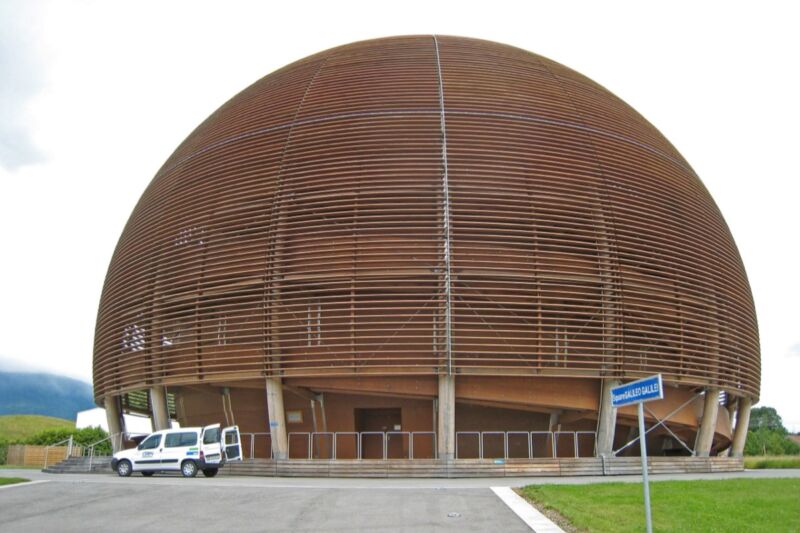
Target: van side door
232,442
148,453
210,444
179,445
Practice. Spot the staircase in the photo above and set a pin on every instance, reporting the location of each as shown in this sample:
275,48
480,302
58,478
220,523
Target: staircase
469,468
80,465
440,469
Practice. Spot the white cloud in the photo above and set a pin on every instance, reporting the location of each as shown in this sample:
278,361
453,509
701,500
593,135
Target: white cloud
21,72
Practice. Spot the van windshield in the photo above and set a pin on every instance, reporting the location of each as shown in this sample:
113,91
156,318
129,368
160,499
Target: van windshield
211,436
151,442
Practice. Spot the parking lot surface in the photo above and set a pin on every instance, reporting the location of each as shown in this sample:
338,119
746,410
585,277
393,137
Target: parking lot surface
106,503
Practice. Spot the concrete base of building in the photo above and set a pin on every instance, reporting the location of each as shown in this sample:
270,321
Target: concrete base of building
400,418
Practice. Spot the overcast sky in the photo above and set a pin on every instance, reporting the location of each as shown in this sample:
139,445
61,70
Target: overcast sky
94,96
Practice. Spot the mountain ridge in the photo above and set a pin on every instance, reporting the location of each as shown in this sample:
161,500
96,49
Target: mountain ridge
42,393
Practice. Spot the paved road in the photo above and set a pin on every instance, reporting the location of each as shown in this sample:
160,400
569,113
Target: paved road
366,483
106,503
76,502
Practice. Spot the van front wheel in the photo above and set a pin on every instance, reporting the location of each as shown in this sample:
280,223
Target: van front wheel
189,468
210,472
124,468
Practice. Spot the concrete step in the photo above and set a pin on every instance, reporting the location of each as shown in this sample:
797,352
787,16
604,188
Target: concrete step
430,468
589,466
81,465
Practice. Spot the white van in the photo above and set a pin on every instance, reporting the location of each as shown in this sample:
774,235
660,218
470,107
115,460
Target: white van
185,449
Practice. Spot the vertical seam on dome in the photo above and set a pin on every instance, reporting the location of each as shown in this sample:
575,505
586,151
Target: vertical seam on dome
272,229
604,201
445,215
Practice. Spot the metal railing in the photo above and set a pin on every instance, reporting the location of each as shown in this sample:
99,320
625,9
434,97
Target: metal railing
67,441
361,436
116,444
480,441
527,439
327,445
252,438
312,449
356,442
432,435
90,450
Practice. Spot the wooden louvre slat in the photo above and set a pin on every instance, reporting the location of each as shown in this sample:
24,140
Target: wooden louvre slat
300,230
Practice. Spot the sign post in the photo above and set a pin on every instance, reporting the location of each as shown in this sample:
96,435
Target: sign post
638,392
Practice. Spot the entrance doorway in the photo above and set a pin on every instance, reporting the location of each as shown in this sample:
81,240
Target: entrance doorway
379,420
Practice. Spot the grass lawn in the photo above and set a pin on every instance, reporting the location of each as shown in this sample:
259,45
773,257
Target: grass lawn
11,480
19,427
725,505
772,461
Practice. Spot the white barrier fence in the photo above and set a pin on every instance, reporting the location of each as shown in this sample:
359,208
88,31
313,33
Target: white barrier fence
362,445
401,444
250,441
523,444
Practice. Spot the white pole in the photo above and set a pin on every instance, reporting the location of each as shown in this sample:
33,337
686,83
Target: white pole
643,447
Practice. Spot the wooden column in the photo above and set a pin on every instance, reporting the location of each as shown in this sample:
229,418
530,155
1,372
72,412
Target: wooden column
552,423
705,434
606,420
158,403
742,423
446,434
277,418
116,423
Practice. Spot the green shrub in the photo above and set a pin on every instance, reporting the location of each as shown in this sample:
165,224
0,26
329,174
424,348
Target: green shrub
3,452
81,437
791,461
764,441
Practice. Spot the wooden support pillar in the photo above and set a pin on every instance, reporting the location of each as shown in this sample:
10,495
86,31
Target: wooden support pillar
553,422
705,434
606,420
116,424
742,423
553,425
277,418
227,407
633,433
158,404
446,433
320,401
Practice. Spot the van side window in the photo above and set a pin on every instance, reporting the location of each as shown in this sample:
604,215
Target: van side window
150,442
176,440
211,436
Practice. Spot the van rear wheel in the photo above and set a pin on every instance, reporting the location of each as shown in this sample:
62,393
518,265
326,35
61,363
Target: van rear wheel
210,472
189,468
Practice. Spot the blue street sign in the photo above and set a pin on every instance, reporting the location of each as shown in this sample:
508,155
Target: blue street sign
642,390
638,392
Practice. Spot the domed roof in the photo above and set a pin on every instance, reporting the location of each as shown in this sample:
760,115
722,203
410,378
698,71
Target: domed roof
419,205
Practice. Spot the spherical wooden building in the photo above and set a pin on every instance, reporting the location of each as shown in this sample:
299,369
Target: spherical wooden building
431,238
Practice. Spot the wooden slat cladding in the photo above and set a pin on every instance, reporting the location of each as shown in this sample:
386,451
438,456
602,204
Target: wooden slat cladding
299,231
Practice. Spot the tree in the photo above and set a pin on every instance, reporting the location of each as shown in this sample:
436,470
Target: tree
767,436
769,442
766,418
